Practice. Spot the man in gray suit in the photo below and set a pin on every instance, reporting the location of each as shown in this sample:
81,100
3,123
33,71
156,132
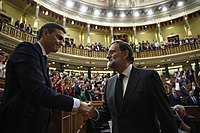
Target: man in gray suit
144,106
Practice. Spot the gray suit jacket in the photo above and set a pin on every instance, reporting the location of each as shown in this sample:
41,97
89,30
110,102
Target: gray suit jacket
145,106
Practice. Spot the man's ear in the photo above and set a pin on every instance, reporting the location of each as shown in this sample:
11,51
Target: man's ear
126,54
45,33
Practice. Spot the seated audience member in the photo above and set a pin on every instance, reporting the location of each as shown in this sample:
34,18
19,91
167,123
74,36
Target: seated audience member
191,99
186,123
3,58
185,88
195,89
177,84
174,98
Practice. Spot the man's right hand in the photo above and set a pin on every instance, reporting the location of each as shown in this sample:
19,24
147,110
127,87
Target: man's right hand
86,109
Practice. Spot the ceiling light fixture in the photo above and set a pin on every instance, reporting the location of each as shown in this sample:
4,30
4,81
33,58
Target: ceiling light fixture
180,3
150,12
96,12
83,9
70,4
164,9
122,15
109,14
136,14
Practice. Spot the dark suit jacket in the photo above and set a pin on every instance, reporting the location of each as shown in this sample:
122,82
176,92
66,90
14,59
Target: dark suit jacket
28,93
189,101
144,103
174,100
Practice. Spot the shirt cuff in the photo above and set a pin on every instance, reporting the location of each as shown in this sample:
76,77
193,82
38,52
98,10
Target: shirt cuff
76,104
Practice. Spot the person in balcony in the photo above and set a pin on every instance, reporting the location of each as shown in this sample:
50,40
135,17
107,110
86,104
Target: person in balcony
17,23
22,26
29,29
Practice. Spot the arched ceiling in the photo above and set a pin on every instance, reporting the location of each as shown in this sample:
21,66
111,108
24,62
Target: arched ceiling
123,13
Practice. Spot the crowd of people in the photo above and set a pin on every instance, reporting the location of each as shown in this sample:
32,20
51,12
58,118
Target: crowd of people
142,46
23,26
135,99
79,85
182,88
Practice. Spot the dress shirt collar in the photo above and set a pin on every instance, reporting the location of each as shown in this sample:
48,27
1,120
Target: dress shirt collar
127,71
43,50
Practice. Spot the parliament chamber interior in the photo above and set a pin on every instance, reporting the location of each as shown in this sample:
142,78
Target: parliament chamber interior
163,34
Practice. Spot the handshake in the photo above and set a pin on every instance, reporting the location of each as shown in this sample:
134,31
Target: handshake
88,111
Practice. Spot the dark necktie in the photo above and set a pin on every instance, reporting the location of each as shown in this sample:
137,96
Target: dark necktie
46,65
119,91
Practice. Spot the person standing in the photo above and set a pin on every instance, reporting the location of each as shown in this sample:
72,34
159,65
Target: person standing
142,106
28,96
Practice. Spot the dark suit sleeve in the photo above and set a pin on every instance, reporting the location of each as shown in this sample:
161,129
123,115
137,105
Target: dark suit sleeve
105,112
161,105
30,72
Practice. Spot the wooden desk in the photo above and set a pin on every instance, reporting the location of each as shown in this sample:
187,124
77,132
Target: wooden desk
66,122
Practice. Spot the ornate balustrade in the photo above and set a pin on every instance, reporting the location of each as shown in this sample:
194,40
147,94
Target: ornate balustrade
16,33
141,54
11,36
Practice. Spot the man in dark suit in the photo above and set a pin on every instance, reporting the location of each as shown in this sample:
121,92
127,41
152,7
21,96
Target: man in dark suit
144,106
28,95
191,99
174,98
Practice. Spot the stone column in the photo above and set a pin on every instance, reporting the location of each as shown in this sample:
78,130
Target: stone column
62,67
160,33
197,68
35,26
111,34
135,35
88,38
167,74
89,72
64,21
187,26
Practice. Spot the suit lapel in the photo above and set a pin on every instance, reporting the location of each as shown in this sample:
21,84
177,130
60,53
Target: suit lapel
111,93
44,64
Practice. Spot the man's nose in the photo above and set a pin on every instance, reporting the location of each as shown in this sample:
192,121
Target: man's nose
108,56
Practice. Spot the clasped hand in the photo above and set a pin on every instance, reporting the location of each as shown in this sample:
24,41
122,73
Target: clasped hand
87,110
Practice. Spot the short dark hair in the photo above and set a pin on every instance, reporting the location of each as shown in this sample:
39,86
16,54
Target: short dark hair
50,26
123,46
